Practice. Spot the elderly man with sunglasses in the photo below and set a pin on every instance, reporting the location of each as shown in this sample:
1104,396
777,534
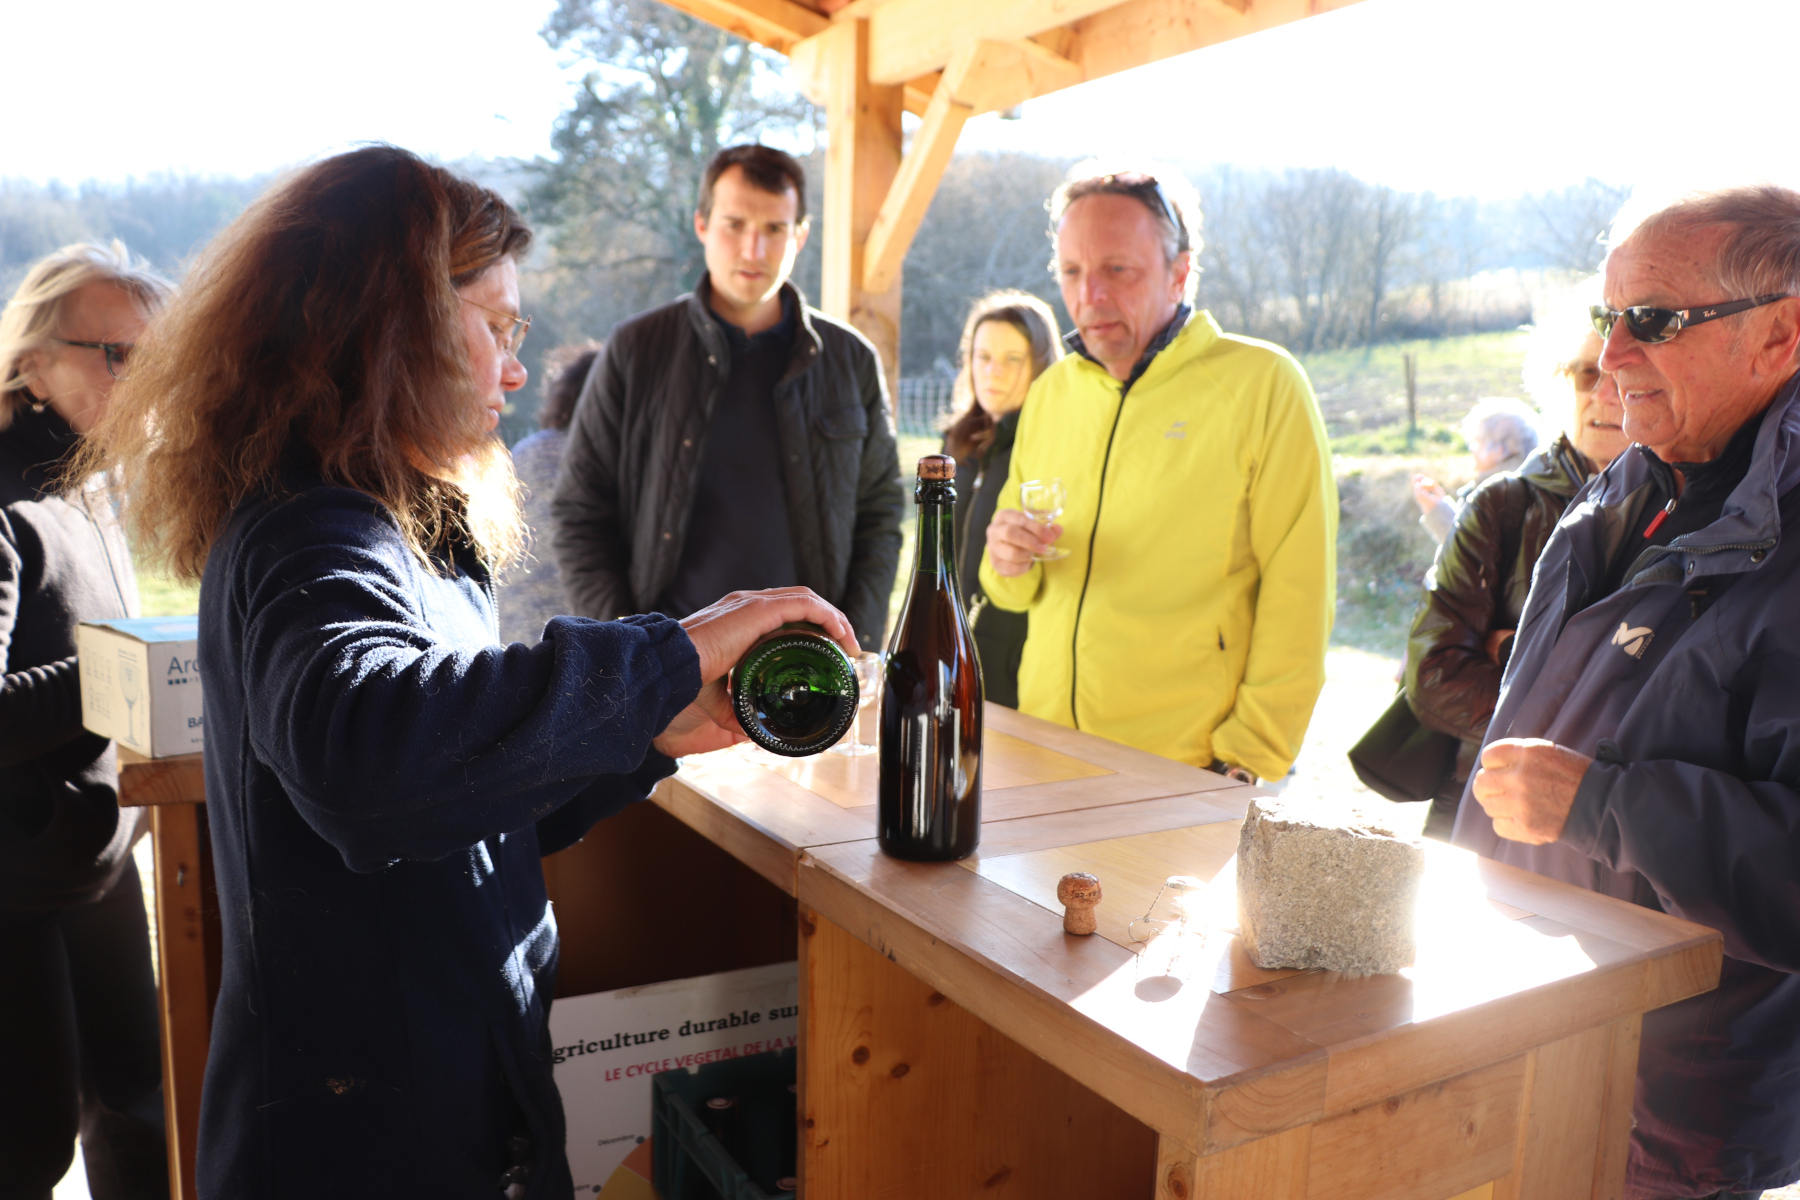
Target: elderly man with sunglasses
1647,741
1184,603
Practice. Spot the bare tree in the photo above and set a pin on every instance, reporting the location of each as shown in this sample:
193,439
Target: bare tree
1390,221
1566,226
664,93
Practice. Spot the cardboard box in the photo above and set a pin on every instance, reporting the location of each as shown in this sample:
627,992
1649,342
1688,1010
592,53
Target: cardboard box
609,1044
140,683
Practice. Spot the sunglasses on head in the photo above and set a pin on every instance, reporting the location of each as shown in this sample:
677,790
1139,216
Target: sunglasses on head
1653,325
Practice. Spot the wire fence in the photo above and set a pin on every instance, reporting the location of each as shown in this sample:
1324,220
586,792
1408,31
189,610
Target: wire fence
924,402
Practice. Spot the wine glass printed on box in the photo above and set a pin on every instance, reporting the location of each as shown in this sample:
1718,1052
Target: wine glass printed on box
131,690
1042,500
868,686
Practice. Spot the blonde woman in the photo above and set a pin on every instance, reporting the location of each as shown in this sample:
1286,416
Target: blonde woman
1007,341
78,1024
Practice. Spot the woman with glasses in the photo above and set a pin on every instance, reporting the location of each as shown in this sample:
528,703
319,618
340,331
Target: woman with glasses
1007,341
1475,591
309,429
79,1046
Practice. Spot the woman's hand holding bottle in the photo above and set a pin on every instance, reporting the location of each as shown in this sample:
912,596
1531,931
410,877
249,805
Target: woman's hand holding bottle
722,633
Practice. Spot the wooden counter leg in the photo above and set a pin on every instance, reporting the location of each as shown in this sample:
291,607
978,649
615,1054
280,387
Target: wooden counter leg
905,1093
1271,1168
181,955
1575,1129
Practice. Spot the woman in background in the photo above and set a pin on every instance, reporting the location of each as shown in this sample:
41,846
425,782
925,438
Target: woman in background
1500,432
1475,591
531,593
312,425
1007,341
79,1045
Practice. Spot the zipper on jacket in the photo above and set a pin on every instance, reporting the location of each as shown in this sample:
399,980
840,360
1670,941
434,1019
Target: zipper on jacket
1088,572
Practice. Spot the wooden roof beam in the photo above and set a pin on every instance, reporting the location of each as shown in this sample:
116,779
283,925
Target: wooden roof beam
1138,32
777,24
910,38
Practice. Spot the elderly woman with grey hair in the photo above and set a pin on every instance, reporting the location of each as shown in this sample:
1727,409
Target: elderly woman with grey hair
79,1044
1475,592
1500,432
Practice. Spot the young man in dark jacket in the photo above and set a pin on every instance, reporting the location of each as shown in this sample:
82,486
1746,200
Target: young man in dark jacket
734,439
1647,742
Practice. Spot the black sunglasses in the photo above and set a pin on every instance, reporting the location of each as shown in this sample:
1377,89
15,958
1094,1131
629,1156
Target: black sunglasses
1139,182
116,353
1653,325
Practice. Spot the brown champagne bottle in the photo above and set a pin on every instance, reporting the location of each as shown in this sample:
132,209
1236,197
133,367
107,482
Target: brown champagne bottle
929,805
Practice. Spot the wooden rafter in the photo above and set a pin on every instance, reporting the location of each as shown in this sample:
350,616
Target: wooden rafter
777,24
910,38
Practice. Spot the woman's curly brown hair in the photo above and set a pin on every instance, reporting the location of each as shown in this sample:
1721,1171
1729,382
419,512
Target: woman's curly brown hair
322,332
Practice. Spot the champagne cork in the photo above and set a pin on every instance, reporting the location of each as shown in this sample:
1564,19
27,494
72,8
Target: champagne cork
1078,893
937,466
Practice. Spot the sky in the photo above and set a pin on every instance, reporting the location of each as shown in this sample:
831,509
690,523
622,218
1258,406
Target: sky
1462,97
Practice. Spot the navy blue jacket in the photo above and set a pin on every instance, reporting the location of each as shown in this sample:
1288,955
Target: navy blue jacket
382,778
1685,687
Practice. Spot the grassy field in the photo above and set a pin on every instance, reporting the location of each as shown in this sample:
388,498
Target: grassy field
1362,392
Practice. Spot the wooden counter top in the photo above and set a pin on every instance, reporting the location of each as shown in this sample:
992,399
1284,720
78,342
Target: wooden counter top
1499,1065
766,813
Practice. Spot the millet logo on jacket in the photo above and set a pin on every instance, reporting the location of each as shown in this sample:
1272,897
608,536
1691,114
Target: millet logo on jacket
1635,641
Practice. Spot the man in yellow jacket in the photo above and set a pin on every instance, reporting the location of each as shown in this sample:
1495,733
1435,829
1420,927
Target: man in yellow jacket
1190,614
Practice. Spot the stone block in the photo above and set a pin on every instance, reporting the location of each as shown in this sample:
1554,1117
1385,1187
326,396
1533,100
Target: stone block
1326,885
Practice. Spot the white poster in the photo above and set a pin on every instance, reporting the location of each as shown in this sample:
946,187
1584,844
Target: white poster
609,1044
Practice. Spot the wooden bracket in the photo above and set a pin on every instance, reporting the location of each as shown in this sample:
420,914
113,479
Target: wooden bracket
982,76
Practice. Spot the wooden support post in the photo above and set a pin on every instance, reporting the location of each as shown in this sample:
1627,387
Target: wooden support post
862,158
917,181
181,961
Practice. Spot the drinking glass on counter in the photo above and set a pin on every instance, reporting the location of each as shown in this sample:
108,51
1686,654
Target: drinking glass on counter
868,686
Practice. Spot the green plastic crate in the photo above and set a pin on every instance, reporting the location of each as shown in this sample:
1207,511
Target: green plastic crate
688,1162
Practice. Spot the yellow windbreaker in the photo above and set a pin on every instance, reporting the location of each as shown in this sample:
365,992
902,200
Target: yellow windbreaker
1191,615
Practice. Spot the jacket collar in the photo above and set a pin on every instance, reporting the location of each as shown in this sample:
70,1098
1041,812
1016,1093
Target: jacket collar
1750,524
1157,345
1558,468
807,342
1186,341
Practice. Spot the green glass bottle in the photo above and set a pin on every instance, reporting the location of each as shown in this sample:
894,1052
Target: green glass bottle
795,691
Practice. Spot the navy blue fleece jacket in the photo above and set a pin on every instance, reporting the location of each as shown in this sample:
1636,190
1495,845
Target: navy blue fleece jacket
382,779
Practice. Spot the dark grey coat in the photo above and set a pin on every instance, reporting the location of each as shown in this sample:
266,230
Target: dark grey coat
626,489
1684,686
63,560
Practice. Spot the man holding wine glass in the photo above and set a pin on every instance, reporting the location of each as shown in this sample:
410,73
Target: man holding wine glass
1183,602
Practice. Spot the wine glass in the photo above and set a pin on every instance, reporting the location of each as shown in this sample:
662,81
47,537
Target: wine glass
1042,500
868,686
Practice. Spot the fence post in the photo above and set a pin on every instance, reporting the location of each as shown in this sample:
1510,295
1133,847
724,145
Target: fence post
1412,399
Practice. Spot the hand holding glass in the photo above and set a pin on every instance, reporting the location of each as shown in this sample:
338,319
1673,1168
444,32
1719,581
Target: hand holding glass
868,686
1042,500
